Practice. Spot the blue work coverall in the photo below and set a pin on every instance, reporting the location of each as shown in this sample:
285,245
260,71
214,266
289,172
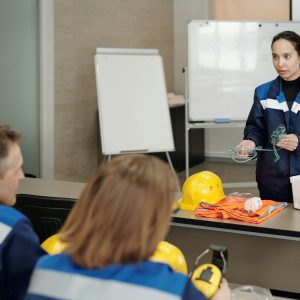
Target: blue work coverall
57,275
19,251
268,111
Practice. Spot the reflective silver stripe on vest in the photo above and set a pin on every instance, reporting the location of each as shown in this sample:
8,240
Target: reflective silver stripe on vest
295,107
4,231
68,286
274,104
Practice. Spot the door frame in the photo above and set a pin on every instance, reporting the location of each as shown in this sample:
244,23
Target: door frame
47,88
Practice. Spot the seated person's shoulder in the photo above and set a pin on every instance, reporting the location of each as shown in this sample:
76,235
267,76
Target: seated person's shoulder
191,292
10,216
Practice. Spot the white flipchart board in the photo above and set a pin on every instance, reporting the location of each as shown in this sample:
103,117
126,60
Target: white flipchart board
226,61
132,101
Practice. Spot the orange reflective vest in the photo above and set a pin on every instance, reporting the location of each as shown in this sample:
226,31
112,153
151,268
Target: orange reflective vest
235,210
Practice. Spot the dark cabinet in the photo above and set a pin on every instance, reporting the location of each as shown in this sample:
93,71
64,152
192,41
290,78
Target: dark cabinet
196,141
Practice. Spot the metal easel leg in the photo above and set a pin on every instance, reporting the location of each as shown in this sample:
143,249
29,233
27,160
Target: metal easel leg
106,158
186,118
172,168
187,156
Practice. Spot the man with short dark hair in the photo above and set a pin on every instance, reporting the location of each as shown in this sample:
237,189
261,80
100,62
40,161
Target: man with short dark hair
19,245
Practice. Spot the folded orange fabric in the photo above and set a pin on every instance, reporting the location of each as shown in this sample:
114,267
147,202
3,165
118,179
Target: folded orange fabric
235,210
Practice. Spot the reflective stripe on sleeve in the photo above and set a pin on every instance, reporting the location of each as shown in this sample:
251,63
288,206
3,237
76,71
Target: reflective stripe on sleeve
274,104
295,107
70,286
4,231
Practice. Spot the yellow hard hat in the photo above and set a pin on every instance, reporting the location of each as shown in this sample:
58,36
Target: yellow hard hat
207,279
175,206
203,186
53,245
171,255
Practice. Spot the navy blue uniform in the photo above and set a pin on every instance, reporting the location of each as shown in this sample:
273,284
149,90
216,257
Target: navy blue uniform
57,277
19,251
269,110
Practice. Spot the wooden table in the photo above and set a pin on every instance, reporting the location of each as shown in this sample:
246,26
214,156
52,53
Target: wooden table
266,255
51,188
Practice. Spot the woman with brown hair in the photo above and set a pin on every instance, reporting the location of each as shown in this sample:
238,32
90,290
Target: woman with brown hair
274,119
115,226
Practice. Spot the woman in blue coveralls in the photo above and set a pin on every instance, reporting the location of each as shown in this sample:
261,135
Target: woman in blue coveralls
277,102
115,226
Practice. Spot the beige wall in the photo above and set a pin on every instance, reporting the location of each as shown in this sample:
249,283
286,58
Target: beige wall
278,10
184,12
81,27
217,141
295,10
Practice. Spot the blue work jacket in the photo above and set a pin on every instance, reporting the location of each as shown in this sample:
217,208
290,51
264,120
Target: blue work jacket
268,111
56,276
19,251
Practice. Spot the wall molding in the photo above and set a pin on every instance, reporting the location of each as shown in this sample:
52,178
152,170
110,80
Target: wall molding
46,11
295,10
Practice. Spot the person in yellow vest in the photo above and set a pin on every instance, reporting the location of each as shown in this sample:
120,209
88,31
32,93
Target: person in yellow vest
111,233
